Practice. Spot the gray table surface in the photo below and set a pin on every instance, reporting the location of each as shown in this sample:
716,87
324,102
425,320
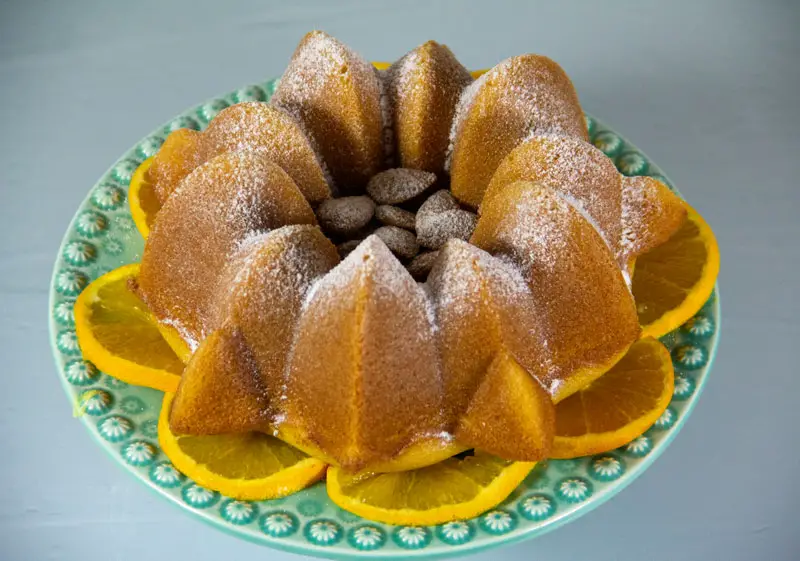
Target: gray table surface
706,88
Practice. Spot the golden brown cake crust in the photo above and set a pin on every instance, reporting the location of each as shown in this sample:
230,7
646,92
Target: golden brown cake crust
354,361
198,229
587,312
575,169
488,325
651,214
182,151
268,130
336,94
261,292
260,295
423,88
510,414
483,306
219,392
364,372
524,96
251,126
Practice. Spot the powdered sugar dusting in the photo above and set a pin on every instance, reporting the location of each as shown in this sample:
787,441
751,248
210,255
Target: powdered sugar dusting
395,85
253,127
544,235
336,94
541,91
461,271
402,242
578,171
484,306
199,227
398,344
386,272
425,85
651,213
317,58
345,215
300,262
578,206
398,75
465,102
440,201
522,96
586,312
260,294
527,87
634,205
435,228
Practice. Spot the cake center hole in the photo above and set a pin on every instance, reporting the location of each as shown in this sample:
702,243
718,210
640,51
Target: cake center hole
412,211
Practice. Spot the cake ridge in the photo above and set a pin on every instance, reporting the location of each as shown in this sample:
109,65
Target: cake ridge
322,74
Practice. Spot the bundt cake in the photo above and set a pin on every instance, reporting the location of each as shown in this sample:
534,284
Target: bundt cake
369,316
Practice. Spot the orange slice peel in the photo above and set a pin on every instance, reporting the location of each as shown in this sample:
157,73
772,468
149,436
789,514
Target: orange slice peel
675,279
251,466
142,199
120,336
454,489
617,407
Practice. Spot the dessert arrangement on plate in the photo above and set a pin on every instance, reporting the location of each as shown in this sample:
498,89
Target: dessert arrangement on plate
410,281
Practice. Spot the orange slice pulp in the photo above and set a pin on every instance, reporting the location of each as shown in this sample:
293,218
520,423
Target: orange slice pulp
120,336
617,407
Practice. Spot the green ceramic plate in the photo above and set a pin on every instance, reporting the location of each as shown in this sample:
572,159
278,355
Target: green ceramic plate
123,418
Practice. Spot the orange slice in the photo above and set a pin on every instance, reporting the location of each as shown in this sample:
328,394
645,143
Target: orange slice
618,406
119,335
672,281
414,456
453,489
250,466
142,199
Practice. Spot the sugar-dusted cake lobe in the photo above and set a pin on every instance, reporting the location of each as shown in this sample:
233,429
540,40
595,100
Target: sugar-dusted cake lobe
491,350
364,376
587,313
336,95
252,126
266,129
423,88
574,168
199,227
220,390
262,289
525,435
651,213
523,96
182,151
260,295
